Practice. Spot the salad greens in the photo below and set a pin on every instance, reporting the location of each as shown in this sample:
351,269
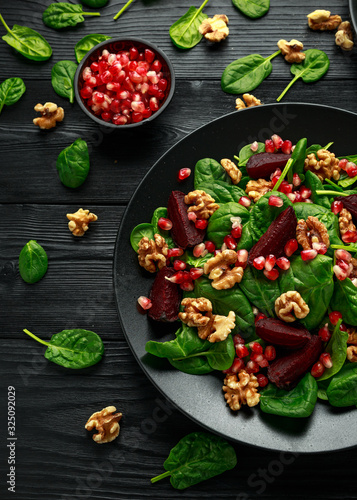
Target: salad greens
184,32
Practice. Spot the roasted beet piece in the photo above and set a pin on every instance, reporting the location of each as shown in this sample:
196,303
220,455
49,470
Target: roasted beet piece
165,297
278,234
262,165
183,232
279,333
285,372
350,203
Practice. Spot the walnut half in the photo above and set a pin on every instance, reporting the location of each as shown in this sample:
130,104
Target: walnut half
78,222
352,353
106,422
202,204
241,392
325,166
249,102
152,252
289,303
219,271
51,114
344,36
310,232
323,21
215,29
232,170
292,51
258,188
345,221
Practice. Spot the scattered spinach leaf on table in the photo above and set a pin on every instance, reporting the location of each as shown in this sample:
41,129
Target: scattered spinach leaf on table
342,390
62,76
337,348
33,262
253,9
184,32
73,164
87,43
27,41
11,91
197,457
74,349
63,15
95,4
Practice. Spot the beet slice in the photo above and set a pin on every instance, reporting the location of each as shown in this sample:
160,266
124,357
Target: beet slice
278,234
285,372
262,165
184,232
350,203
279,333
165,297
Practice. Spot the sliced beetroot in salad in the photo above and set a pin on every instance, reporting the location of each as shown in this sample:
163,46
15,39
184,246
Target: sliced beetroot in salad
183,232
350,203
278,234
262,165
165,297
285,372
279,333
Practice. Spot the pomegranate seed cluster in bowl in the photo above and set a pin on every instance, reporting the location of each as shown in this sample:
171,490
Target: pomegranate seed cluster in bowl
124,82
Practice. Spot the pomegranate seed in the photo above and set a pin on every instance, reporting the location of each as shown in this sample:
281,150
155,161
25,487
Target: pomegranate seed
135,77
94,66
351,169
263,362
262,380
87,73
286,147
334,317
283,263
326,360
230,242
297,197
210,246
259,263
106,77
149,55
324,333
192,216
275,179
174,252
177,278
184,173
238,365
237,232
245,201
317,370
343,328
339,273
255,356
336,207
291,247
252,367
308,254
138,106
343,163
86,92
107,116
343,264
270,262
254,146
132,66
275,201
144,302
269,146
242,351
162,84
98,97
199,250
256,347
201,223
133,53
147,112
187,286
343,255
305,192
259,316
296,180
277,141
156,66
277,174
350,237
242,256
102,66
270,353
285,187
124,94
124,60
154,105
136,117
238,340
320,248
292,197
179,265
196,272
164,224
271,275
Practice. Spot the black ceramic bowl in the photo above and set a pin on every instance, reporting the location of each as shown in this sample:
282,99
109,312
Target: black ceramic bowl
353,12
114,45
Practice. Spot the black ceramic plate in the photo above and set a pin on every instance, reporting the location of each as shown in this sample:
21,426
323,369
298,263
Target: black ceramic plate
353,12
201,397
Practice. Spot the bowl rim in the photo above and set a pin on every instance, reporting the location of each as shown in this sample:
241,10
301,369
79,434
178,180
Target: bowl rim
124,39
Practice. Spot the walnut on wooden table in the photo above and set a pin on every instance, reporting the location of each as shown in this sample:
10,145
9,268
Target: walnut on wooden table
106,422
322,20
292,51
215,29
344,36
249,101
51,114
78,221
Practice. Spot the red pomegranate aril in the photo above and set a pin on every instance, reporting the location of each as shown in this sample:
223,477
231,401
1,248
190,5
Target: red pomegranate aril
277,141
230,242
334,317
115,69
242,351
135,77
133,53
256,347
238,365
259,263
343,264
286,147
113,86
336,207
340,274
153,90
237,232
162,84
153,78
119,119
196,272
343,255
275,179
343,163
245,201
124,60
283,263
297,197
147,113
238,340
136,117
291,247
156,66
351,169
141,71
86,92
324,333
270,353
87,73
269,146
308,254
105,54
164,224
259,316
192,216
174,252
160,95
120,77
138,106
128,84
183,174
271,275
285,188
94,66
317,370
141,56
199,250
277,174
242,256
201,223
305,192
254,146
350,237
107,116
132,66
115,106
262,380
326,360
97,97
275,201
320,248
292,197
106,77
144,302
187,286
343,327
124,94
149,55
178,277
252,367
270,262
210,246
154,105
135,96
102,66
296,180
179,265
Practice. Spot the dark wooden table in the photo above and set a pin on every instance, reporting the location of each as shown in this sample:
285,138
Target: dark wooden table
55,458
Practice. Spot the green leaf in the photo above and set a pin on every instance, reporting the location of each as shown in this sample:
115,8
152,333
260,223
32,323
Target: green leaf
297,403
73,164
95,4
197,457
140,231
11,91
299,156
193,261
246,152
220,223
87,43
33,262
252,8
313,182
27,41
342,390
263,214
337,348
246,74
63,15
344,300
222,192
73,349
209,170
184,32
161,212
347,181
62,77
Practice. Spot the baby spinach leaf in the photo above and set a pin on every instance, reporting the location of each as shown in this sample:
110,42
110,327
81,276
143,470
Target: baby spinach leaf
222,192
139,232
220,223
313,279
245,74
33,262
193,261
313,182
95,4
247,239
27,41
11,91
297,403
87,43
252,8
73,164
161,212
346,181
197,457
209,170
246,152
298,155
219,355
62,76
263,214
73,348
313,67
342,390
337,347
184,32
62,15
344,300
